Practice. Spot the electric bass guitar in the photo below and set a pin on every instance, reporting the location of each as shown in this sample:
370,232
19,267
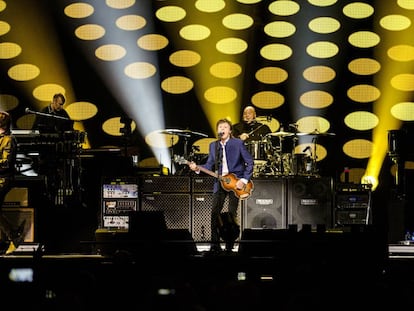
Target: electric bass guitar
228,182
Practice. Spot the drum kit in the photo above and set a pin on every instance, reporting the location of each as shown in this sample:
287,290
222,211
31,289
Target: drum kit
273,155
279,157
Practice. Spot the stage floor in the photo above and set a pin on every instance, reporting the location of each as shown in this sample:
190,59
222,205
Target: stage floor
246,279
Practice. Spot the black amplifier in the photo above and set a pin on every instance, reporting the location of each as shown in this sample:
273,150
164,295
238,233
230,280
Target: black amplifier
351,217
353,208
165,184
353,200
203,184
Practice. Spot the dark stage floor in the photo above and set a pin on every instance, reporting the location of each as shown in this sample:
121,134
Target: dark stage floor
322,272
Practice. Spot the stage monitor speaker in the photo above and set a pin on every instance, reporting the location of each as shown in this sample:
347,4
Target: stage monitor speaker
264,242
266,207
149,225
179,242
176,208
310,201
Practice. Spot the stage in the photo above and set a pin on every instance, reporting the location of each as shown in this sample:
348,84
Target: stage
287,272
295,249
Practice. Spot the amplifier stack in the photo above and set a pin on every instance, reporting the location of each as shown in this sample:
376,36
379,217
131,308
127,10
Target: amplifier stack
275,203
353,205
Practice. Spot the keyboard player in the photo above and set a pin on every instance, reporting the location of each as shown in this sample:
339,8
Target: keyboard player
54,118
58,162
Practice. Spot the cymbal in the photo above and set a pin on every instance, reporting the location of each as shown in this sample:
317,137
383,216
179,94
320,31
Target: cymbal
184,133
281,134
317,133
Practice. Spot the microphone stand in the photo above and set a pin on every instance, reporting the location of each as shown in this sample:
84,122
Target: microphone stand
218,160
47,115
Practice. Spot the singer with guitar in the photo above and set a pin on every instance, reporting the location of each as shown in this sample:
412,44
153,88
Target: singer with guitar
228,156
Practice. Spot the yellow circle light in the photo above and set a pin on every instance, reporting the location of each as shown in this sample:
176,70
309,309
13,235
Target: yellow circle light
276,52
177,85
24,72
90,32
131,22
225,70
110,52
140,70
195,32
403,82
316,99
152,42
284,8
220,94
319,74
364,39
361,120
185,58
363,93
324,25
395,22
279,29
271,75
364,66
403,111
237,21
79,10
9,50
358,148
268,99
311,124
358,10
170,13
231,46
322,49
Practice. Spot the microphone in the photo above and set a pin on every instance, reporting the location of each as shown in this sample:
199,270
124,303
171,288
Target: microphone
306,149
48,115
220,134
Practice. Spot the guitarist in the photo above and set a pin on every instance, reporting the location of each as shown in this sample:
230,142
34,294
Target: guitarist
227,155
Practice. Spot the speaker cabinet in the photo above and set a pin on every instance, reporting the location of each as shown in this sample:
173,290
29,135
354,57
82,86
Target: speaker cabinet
310,201
165,184
202,184
266,207
202,203
176,208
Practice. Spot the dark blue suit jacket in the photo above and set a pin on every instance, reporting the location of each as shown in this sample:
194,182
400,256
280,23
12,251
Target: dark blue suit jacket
239,160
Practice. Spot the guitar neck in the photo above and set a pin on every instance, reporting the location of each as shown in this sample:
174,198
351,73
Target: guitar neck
183,161
208,171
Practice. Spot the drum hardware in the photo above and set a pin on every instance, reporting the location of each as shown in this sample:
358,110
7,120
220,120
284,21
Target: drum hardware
280,134
284,160
316,133
313,153
254,130
275,160
175,134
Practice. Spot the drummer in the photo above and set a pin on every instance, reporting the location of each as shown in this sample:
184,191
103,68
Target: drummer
249,129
